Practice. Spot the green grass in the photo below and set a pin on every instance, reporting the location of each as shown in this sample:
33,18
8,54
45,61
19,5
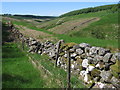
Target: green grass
17,71
58,79
107,25
90,40
58,73
28,25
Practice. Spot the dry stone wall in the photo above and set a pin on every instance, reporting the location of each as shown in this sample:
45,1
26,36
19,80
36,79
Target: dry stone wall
96,66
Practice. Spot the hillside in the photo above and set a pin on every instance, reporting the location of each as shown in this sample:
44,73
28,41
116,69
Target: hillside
101,26
113,8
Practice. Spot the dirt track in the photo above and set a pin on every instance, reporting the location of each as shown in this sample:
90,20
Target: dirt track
39,35
72,25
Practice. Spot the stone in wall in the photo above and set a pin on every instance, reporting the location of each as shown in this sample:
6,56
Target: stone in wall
106,76
107,57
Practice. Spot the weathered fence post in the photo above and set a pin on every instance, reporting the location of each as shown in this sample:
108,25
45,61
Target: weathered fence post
69,70
57,52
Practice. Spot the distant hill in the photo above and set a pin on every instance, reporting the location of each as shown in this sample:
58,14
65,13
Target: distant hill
113,7
30,16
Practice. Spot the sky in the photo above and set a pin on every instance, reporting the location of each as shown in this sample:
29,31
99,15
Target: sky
46,8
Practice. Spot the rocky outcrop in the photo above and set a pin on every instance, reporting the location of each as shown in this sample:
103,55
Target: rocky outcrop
94,64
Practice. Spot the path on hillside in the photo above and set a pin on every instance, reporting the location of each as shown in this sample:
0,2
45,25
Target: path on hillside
39,35
73,25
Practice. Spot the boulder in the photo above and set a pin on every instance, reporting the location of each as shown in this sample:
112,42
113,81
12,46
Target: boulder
90,68
107,57
100,65
82,73
32,48
79,51
117,55
85,76
102,51
103,85
96,79
98,58
86,79
34,42
72,50
90,59
87,50
39,52
85,63
72,66
107,66
83,45
94,61
52,53
113,59
110,86
59,61
83,56
31,39
106,75
115,82
93,51
65,55
73,55
76,46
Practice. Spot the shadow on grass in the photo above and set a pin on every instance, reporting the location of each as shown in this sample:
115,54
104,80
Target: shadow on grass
13,81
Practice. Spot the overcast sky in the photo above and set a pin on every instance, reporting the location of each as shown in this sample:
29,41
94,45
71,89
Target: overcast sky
47,8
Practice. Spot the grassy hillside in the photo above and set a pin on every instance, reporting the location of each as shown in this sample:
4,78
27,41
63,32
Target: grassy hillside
113,8
103,31
105,28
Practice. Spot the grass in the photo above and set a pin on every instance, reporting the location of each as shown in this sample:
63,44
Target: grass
17,71
90,40
58,73
30,26
102,27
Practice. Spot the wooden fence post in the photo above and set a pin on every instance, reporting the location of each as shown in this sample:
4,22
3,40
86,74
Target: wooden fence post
69,70
57,53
